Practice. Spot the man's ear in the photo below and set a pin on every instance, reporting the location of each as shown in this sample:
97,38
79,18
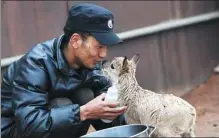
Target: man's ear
75,40
135,59
79,42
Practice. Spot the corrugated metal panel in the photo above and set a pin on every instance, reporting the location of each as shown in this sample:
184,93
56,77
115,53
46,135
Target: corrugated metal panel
50,17
26,23
171,61
150,69
191,8
174,61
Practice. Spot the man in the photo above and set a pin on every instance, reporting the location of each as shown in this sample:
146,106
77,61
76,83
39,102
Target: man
55,89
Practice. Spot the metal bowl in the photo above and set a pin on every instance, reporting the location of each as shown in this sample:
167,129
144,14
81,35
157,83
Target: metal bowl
132,130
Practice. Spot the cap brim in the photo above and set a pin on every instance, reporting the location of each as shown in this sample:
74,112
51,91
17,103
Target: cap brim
108,39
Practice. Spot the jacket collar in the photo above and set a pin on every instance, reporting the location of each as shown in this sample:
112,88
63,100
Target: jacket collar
62,63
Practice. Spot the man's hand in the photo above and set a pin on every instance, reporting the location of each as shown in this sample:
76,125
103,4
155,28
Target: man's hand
100,109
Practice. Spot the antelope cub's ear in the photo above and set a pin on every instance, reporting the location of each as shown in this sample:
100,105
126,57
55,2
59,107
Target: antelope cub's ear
135,59
125,66
125,62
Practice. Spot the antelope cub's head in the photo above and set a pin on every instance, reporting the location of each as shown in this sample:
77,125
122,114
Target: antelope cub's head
120,66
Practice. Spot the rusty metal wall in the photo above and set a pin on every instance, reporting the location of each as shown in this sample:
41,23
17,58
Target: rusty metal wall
191,8
136,14
25,23
172,61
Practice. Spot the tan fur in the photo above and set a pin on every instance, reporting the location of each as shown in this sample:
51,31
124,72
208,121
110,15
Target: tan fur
172,116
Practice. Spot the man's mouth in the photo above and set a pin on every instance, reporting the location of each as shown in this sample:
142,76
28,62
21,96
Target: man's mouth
96,62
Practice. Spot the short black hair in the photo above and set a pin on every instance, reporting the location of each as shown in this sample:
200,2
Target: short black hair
68,33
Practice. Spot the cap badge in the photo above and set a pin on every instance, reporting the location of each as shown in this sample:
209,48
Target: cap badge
110,24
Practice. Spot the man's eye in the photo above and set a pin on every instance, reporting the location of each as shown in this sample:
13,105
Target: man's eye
112,67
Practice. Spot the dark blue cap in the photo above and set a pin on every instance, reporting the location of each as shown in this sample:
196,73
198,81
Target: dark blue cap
96,20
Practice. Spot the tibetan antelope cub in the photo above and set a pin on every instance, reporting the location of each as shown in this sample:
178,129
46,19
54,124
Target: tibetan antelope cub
171,115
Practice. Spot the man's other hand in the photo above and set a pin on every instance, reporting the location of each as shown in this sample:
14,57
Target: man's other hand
100,109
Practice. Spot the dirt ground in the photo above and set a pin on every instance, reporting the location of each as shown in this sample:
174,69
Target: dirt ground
205,98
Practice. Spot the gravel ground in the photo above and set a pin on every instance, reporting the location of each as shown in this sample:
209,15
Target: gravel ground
205,98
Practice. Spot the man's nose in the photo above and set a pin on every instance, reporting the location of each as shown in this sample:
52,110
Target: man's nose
103,53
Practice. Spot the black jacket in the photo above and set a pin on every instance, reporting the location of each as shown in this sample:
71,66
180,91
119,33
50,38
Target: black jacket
33,81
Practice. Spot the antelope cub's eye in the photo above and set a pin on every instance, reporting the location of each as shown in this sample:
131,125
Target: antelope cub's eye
112,67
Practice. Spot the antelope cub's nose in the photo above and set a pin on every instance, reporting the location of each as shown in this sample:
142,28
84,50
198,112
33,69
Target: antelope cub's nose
103,62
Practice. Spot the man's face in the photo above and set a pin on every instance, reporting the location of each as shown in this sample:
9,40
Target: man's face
90,52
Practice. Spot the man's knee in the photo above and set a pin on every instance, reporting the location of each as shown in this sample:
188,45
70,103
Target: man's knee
57,102
82,96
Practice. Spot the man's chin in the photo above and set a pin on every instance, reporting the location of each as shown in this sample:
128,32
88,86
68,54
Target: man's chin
89,67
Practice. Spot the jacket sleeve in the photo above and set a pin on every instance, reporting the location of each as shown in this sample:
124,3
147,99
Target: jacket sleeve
30,105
